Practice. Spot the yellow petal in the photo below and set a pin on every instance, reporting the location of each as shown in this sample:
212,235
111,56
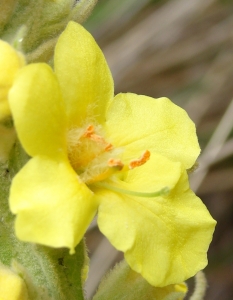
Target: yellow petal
140,123
10,62
164,238
12,286
38,111
53,208
83,73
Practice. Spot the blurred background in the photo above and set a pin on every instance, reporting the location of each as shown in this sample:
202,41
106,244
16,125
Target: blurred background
182,50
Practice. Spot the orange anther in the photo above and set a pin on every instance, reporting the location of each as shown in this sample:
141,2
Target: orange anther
140,161
108,147
89,131
115,163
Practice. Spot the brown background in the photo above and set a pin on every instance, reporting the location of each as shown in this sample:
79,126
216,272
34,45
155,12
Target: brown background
183,50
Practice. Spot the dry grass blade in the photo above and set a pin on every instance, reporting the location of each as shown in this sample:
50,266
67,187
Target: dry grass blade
213,147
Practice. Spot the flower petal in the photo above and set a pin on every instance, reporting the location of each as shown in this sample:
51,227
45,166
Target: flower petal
140,123
53,208
164,238
38,110
83,73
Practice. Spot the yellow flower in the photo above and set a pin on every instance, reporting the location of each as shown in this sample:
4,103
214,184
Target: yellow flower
120,155
10,62
12,286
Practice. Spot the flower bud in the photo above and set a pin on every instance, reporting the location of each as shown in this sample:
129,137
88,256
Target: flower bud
124,283
10,62
12,286
35,25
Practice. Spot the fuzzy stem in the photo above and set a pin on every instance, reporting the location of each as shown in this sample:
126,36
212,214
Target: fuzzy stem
200,286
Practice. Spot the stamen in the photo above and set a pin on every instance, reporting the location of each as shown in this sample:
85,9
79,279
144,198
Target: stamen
115,163
97,138
90,133
140,161
109,147
163,192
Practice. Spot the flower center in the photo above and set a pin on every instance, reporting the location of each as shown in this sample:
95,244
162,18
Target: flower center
94,158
